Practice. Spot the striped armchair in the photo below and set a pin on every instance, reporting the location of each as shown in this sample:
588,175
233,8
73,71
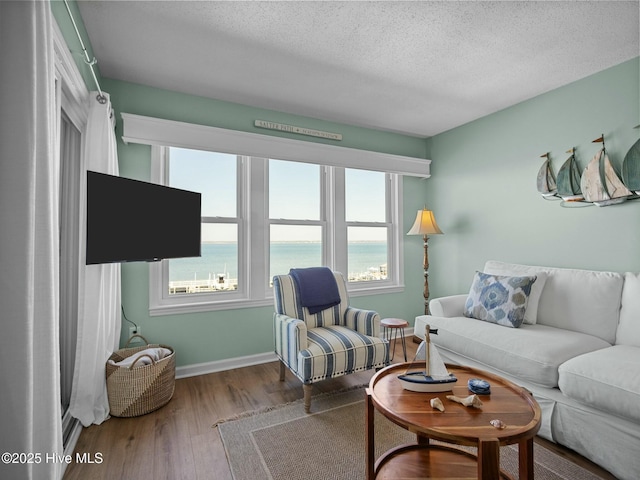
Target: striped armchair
333,342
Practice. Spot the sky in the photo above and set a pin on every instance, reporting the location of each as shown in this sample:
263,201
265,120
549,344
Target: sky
294,194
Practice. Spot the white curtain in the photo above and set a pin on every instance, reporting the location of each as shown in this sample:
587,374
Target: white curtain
99,291
30,412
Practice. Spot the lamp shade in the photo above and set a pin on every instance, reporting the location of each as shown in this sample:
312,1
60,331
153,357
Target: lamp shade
425,224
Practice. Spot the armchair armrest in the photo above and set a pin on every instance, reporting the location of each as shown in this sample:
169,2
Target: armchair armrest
451,306
362,321
290,336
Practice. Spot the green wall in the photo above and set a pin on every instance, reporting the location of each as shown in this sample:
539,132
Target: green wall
483,188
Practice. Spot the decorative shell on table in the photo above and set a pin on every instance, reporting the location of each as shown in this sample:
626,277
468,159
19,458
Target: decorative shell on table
499,424
437,404
470,401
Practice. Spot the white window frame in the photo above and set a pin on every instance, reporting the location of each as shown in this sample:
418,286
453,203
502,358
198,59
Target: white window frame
254,222
338,233
393,223
324,220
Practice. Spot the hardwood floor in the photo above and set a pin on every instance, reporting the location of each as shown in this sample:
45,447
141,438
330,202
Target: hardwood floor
178,441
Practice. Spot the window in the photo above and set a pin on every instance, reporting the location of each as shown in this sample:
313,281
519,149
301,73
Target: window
296,225
215,176
261,217
297,203
368,225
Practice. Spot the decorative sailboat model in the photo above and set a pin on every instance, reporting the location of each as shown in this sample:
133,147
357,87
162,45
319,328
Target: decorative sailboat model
435,377
546,180
599,183
631,168
568,180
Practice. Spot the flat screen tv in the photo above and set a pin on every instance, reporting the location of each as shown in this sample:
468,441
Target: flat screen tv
129,220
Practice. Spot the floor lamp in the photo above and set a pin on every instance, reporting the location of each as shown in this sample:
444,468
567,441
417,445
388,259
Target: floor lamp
425,225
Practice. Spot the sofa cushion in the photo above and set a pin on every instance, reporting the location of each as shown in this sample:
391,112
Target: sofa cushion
629,327
531,352
499,299
334,350
500,268
607,379
578,300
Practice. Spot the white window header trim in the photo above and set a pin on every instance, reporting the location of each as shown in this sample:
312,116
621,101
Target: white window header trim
155,131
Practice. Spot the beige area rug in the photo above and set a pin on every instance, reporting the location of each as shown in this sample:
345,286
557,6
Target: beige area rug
284,443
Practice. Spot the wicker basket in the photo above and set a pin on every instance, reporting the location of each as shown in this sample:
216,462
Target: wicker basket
138,390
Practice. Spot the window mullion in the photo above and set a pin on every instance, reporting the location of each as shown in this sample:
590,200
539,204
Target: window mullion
354,223
286,221
159,271
256,198
338,221
219,219
159,165
394,217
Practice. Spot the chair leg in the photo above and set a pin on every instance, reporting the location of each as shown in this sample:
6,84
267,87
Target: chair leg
282,367
307,397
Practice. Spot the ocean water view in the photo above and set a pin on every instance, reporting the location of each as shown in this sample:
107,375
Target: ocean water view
367,260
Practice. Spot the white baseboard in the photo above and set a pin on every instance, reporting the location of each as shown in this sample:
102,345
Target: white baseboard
238,362
226,364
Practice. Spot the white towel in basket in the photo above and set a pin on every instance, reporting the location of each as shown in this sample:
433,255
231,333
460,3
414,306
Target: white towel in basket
157,353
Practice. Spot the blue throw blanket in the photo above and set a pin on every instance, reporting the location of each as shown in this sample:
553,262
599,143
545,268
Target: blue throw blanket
317,287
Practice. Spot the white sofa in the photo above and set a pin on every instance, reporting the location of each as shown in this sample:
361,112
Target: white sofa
578,352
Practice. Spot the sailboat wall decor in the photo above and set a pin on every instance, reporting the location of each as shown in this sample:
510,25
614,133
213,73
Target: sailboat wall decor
434,377
631,168
599,182
546,179
568,180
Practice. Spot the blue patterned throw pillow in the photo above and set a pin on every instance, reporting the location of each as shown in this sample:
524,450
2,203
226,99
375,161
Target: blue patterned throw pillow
499,299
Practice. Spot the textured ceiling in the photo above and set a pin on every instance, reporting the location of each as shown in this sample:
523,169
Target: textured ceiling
418,67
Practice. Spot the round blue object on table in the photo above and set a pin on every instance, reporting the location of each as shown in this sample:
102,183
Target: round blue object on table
478,386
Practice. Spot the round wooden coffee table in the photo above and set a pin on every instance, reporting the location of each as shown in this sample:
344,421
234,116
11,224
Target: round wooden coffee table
457,425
